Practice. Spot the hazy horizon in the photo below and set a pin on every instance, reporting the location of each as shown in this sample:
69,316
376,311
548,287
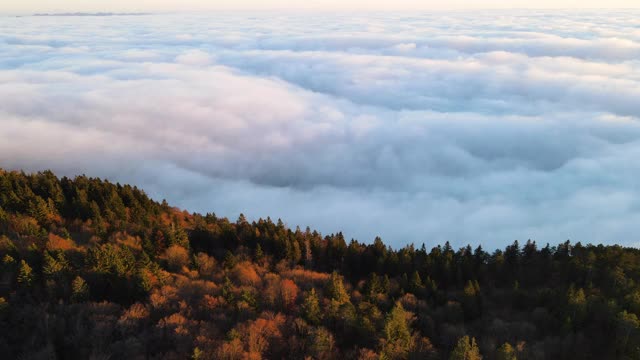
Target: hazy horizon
35,6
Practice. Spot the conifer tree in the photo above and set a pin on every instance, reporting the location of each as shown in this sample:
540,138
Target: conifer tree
79,290
8,262
466,349
25,274
373,285
415,284
386,284
397,334
396,327
53,267
258,253
311,308
336,290
506,352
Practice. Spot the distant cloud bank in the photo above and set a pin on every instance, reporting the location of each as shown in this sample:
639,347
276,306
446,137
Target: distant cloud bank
478,128
89,14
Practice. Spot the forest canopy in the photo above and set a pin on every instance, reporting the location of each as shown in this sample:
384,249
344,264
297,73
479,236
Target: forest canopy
93,269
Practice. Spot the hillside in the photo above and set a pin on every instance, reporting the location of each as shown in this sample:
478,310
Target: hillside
92,269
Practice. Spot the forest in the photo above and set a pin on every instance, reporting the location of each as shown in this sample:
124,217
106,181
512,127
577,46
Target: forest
91,269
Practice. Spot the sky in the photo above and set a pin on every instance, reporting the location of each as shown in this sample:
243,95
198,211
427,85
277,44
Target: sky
328,5
469,127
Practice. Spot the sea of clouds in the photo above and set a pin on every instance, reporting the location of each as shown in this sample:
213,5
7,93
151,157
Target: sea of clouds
478,128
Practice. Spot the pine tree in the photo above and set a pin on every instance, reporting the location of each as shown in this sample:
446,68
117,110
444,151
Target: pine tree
415,284
466,349
397,334
8,262
471,301
79,290
311,308
386,284
25,274
229,260
322,344
54,267
506,352
179,236
336,290
373,285
396,327
258,253
143,281
227,290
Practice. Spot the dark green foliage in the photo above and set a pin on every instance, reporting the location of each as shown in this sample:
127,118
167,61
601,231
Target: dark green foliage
258,253
415,284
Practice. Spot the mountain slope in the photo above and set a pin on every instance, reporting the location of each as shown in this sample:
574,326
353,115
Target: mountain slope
95,269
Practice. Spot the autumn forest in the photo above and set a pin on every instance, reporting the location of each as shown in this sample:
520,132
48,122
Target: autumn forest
91,269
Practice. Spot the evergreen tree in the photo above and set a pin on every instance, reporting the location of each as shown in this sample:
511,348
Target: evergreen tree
143,282
258,254
8,263
25,274
336,290
471,300
373,285
397,334
322,344
466,349
311,308
179,236
396,326
229,260
79,290
385,284
506,352
54,267
415,284
227,290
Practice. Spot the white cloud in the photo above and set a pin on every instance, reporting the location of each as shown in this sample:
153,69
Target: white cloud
473,128
288,5
194,57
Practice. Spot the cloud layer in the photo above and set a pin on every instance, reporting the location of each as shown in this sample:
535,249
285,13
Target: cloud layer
475,128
